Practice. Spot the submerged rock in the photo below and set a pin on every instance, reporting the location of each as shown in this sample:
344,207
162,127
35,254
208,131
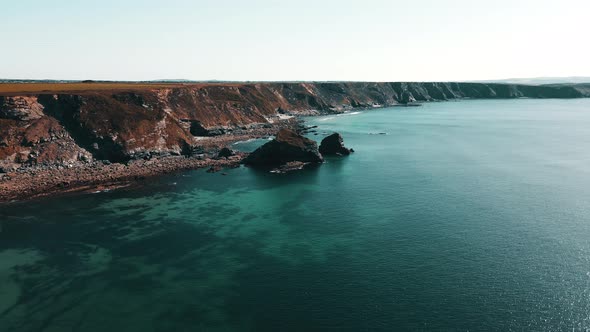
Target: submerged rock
288,146
214,169
334,145
290,167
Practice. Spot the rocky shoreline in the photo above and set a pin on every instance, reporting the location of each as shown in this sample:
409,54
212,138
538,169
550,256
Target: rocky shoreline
63,139
289,151
47,180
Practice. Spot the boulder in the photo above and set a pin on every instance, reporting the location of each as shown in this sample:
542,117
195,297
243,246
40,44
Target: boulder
225,153
334,145
288,146
197,129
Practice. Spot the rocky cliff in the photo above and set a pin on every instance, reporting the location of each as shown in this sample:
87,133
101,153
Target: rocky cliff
61,127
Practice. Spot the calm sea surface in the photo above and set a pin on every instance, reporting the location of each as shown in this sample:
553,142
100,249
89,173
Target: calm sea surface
471,215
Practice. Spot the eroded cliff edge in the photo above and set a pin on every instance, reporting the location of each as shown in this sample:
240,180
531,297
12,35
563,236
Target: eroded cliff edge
121,125
68,129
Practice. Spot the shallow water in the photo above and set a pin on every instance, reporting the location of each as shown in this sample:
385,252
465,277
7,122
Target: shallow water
250,145
470,215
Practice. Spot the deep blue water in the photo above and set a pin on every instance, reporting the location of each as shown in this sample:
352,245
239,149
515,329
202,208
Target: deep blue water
471,215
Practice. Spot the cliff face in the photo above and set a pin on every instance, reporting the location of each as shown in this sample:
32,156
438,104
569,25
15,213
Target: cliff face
61,128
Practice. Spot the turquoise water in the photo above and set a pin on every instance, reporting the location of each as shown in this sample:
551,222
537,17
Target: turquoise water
471,215
249,145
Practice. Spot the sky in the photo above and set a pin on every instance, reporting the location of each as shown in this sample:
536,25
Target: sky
319,40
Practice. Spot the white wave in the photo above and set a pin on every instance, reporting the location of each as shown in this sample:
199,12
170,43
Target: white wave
246,141
326,119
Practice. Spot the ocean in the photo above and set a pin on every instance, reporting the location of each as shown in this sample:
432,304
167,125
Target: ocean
462,215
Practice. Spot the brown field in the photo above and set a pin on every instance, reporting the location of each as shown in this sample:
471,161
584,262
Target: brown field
12,89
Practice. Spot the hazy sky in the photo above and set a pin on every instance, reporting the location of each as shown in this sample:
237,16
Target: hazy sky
364,40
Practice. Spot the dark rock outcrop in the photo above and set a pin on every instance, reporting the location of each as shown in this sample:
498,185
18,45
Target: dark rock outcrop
20,108
288,146
406,98
225,152
334,145
197,129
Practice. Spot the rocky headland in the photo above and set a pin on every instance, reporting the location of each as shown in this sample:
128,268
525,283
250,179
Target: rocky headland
287,151
291,151
64,137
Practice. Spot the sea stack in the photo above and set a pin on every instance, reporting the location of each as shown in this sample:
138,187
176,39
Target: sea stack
288,146
334,145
